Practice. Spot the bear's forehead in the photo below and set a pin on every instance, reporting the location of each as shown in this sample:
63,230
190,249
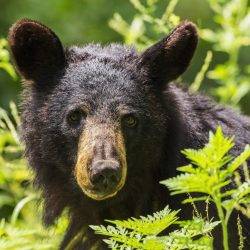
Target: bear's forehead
101,69
100,85
113,51
97,74
93,76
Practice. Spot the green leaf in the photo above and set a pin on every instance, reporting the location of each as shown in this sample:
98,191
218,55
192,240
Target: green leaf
150,225
239,160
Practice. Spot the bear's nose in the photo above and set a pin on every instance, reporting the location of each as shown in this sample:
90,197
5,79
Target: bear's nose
105,175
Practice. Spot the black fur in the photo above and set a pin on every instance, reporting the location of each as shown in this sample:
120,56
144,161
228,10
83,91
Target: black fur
108,79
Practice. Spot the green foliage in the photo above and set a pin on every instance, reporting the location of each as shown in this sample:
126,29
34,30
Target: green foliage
195,86
23,236
14,175
214,166
150,225
5,59
232,34
144,233
20,213
146,26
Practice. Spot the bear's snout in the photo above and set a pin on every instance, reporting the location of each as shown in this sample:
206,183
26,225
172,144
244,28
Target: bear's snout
105,175
101,166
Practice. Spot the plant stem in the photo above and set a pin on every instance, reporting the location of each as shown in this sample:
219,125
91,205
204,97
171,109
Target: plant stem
223,222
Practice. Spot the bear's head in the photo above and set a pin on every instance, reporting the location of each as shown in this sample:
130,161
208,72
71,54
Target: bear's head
94,118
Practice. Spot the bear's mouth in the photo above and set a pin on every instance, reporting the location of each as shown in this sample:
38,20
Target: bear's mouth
99,194
102,195
96,193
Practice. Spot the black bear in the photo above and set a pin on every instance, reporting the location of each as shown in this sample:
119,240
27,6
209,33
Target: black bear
103,125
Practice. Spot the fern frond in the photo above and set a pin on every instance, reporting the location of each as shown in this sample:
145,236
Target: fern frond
150,225
214,154
188,183
192,234
239,160
198,226
121,236
211,172
239,196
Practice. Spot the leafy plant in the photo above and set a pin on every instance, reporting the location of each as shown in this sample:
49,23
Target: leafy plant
5,59
144,233
21,216
31,235
214,166
14,175
231,35
146,26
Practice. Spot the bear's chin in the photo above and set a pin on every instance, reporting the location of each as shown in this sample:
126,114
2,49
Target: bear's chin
99,196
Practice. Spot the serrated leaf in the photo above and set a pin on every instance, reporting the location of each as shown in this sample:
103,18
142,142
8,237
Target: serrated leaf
150,225
239,160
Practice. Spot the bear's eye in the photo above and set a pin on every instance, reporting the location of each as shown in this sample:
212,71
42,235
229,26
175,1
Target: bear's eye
75,117
129,121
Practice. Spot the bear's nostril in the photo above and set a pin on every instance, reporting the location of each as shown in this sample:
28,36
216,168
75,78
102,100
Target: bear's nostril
105,175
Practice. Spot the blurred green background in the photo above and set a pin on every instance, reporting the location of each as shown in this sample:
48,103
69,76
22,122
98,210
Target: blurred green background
83,21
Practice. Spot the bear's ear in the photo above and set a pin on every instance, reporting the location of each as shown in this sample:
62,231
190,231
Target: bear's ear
37,51
169,58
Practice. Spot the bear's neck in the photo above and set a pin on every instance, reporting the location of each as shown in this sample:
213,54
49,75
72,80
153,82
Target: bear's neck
192,116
